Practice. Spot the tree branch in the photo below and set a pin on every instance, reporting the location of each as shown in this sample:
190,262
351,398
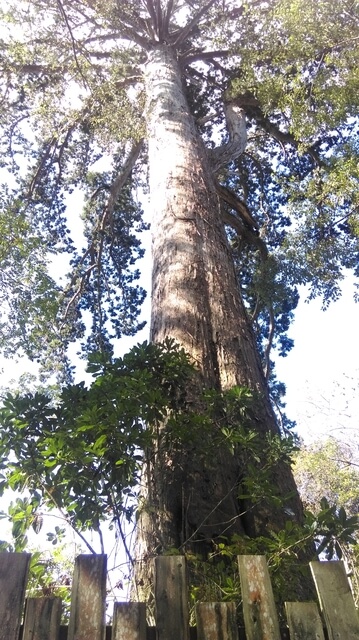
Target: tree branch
106,216
205,55
166,20
252,107
73,42
238,205
269,344
151,10
237,133
246,234
122,178
159,19
185,32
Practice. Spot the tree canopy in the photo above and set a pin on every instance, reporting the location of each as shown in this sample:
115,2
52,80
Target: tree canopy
72,121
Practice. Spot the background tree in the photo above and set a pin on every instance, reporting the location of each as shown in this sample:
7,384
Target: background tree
327,476
328,469
272,205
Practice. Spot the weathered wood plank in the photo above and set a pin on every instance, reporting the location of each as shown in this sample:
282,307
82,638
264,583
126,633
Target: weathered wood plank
14,568
216,620
87,613
42,619
129,621
172,617
304,621
336,600
260,616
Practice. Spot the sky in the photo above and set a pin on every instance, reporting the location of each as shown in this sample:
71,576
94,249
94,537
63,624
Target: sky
321,372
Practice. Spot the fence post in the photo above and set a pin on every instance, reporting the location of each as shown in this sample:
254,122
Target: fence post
260,615
304,621
336,600
88,598
42,619
171,598
129,621
14,568
216,620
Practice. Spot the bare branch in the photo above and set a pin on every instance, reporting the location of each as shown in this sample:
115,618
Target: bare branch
123,177
159,19
151,10
205,56
130,34
73,42
185,32
106,216
134,23
166,20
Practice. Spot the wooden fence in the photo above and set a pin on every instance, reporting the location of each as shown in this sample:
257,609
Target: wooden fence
214,621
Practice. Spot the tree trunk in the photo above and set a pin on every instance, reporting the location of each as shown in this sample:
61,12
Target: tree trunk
189,501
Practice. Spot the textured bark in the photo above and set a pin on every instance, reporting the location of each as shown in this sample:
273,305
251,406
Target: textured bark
190,501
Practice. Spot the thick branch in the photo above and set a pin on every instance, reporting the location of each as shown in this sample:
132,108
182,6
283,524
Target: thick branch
238,205
237,133
270,342
167,17
151,10
252,107
205,56
159,19
244,232
122,178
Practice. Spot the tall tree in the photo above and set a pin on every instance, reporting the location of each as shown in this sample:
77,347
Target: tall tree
245,115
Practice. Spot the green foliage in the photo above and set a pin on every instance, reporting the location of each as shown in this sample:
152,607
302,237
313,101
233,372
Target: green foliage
83,454
334,529
327,477
327,468
50,575
330,532
73,95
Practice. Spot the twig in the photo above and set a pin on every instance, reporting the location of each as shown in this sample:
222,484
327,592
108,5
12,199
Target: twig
73,41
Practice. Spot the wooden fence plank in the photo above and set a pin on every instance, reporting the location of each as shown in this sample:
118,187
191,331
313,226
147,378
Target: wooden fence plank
260,616
336,600
172,617
87,613
129,621
14,568
216,620
304,621
42,619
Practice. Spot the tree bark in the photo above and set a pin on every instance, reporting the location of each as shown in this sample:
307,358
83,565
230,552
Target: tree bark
190,501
